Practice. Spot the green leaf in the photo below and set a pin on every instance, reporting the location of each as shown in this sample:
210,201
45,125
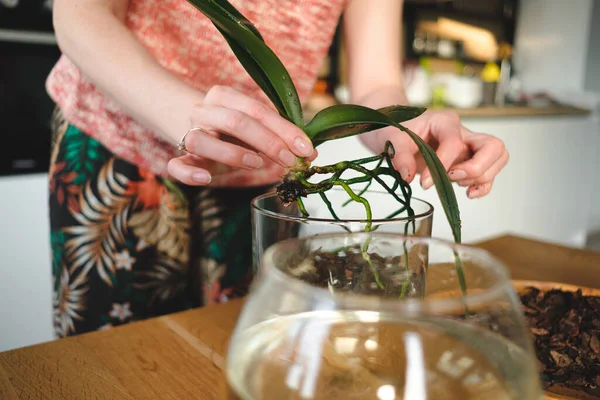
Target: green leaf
258,74
443,186
400,114
261,63
234,12
346,120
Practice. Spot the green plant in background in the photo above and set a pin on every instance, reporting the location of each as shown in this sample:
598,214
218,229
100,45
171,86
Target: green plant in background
334,122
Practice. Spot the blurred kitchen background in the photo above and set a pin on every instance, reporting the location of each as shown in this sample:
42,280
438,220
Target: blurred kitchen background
527,71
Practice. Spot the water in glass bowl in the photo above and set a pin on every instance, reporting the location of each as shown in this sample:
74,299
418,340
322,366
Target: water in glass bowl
373,355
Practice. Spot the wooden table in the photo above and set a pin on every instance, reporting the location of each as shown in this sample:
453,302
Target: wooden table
181,356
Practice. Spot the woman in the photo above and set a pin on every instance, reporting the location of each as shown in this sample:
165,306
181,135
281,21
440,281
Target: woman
135,78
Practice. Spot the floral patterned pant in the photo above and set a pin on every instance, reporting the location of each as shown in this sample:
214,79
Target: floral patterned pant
128,245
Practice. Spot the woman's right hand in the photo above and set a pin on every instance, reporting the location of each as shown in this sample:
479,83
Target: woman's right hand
240,132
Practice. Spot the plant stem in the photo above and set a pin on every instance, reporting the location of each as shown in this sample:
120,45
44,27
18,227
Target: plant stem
367,258
302,207
359,199
366,176
329,206
379,162
460,273
403,290
369,219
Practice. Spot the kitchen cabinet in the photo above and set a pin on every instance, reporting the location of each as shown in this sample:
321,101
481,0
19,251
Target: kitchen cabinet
25,274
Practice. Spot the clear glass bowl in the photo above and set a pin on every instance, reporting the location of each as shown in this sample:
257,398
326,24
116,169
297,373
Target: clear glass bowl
273,222
317,324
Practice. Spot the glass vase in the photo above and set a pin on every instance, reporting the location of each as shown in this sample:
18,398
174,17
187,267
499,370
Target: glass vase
327,318
273,221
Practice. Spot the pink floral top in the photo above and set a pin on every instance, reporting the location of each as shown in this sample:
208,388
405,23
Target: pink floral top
185,42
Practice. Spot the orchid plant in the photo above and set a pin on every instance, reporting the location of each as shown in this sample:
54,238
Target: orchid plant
335,122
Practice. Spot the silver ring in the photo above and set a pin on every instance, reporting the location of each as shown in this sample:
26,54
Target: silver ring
181,145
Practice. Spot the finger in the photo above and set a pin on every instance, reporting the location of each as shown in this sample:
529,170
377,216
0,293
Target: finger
290,134
404,153
247,130
404,162
185,170
237,177
488,175
445,129
448,151
207,146
477,191
487,151
313,156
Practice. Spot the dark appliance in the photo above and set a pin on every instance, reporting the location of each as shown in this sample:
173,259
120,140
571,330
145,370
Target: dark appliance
28,51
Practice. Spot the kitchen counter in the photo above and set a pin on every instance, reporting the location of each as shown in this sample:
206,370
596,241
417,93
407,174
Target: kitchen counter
182,356
318,102
518,111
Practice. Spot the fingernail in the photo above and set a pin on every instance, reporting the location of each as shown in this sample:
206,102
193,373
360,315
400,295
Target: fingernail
252,160
427,183
201,177
404,173
457,174
473,191
287,157
303,146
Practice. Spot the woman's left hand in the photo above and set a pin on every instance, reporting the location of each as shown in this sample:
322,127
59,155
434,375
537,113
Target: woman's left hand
472,159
